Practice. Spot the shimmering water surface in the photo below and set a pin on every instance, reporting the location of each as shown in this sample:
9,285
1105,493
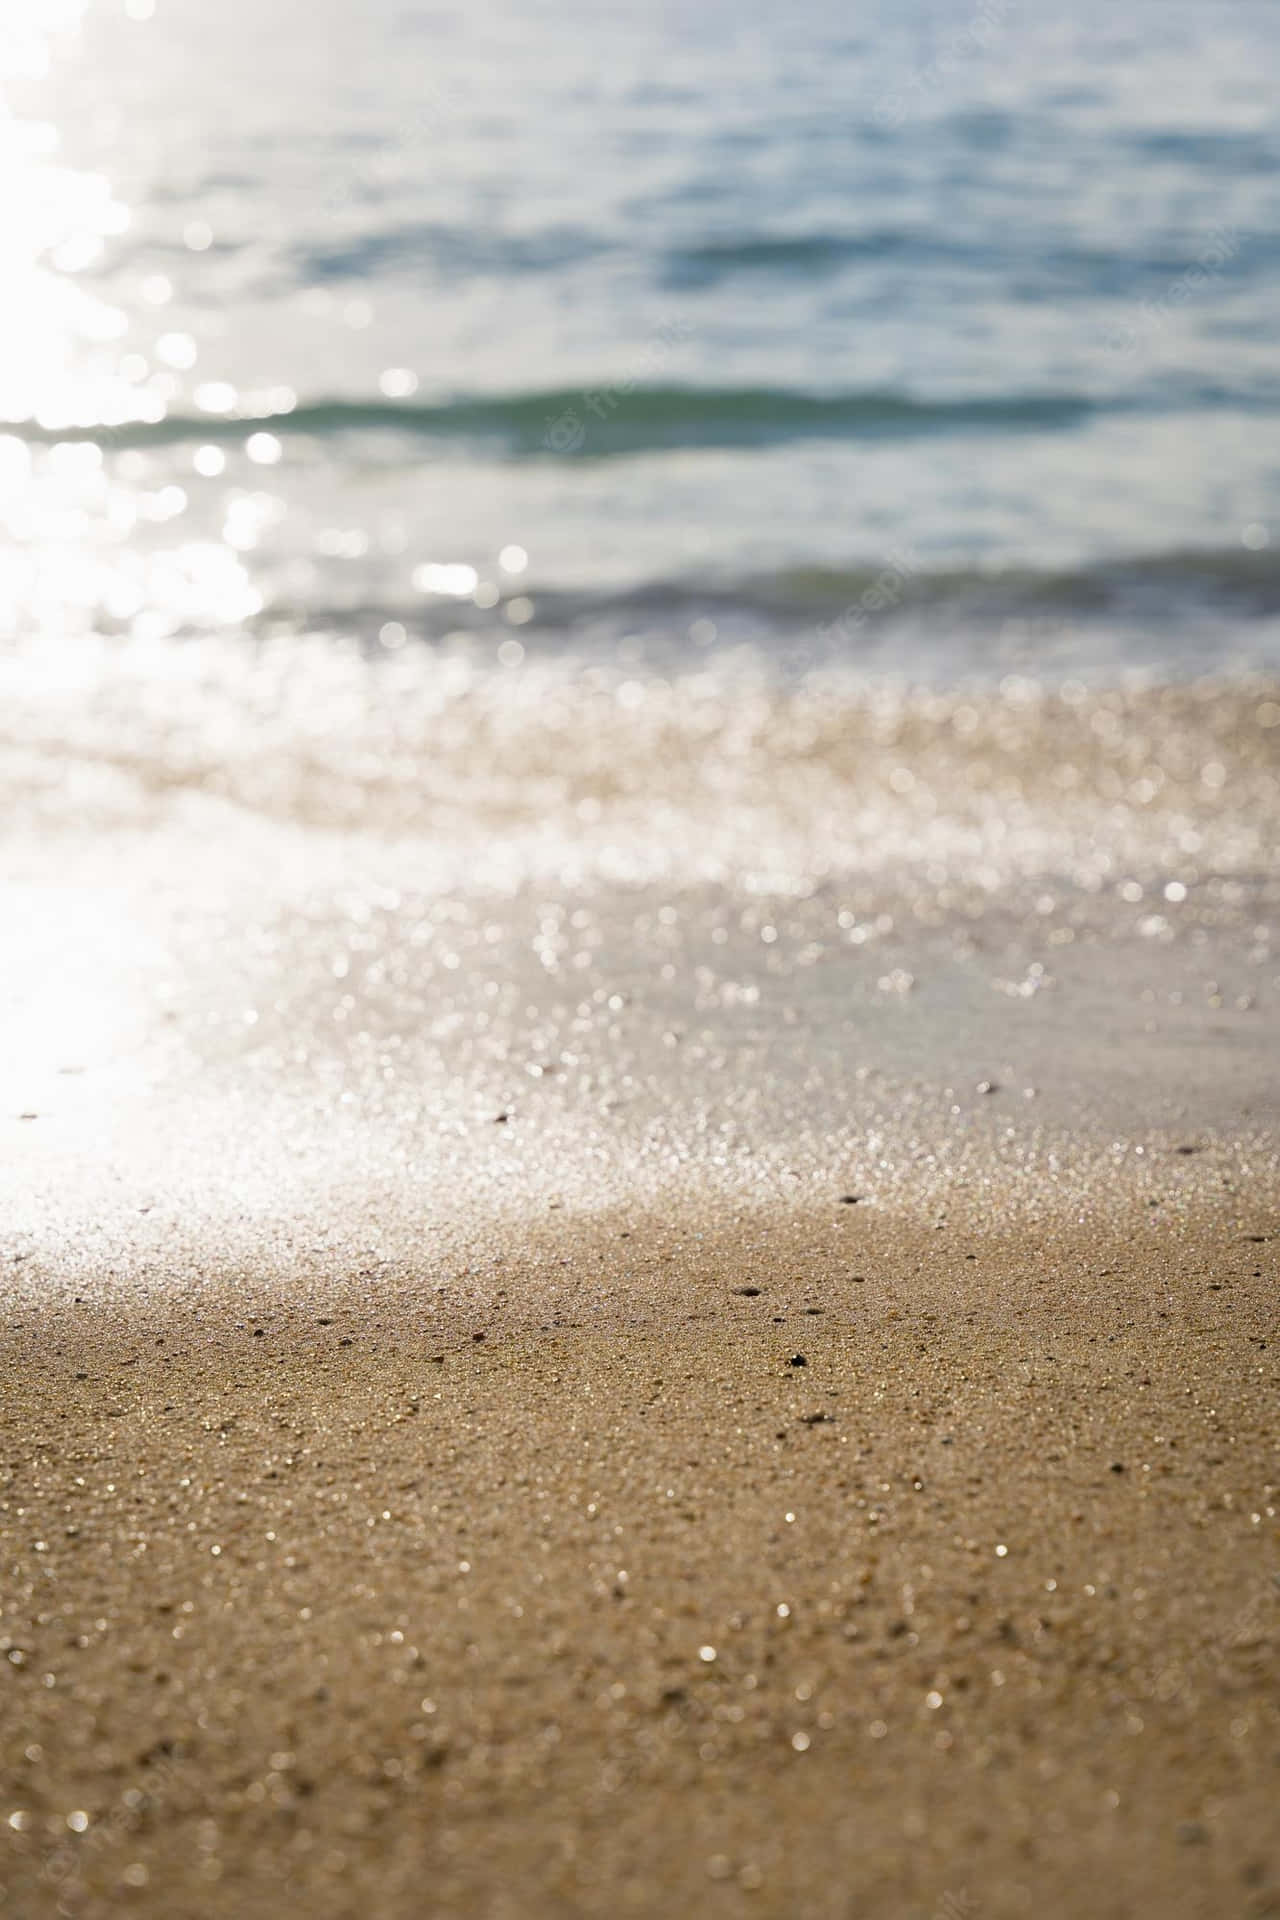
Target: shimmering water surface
653,323
590,594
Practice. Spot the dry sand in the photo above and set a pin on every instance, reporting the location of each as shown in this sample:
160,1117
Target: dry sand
567,1588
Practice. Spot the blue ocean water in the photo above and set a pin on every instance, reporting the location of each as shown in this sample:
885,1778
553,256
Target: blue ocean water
930,336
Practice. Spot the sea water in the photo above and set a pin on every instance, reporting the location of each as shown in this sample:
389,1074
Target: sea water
931,339
598,597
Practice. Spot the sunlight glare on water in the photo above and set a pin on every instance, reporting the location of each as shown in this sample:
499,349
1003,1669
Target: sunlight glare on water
92,540
535,543
693,350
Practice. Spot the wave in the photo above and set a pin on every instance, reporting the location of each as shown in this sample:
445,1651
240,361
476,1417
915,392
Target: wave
1234,581
1175,598
1076,272
451,251
609,419
619,418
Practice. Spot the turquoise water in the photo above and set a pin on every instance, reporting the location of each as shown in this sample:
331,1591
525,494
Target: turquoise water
931,338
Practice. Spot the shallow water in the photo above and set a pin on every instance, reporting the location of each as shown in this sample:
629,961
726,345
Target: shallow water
335,970
601,608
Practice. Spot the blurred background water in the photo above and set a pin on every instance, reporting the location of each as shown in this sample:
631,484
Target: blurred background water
703,578
933,338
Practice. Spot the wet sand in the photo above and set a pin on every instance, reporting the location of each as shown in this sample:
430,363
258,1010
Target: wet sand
662,1308
799,1563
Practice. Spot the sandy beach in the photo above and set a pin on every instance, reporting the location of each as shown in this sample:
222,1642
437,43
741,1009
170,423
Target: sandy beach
639,961
544,1376
789,1564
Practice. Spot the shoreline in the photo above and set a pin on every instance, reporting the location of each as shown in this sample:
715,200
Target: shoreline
640,976
398,1251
